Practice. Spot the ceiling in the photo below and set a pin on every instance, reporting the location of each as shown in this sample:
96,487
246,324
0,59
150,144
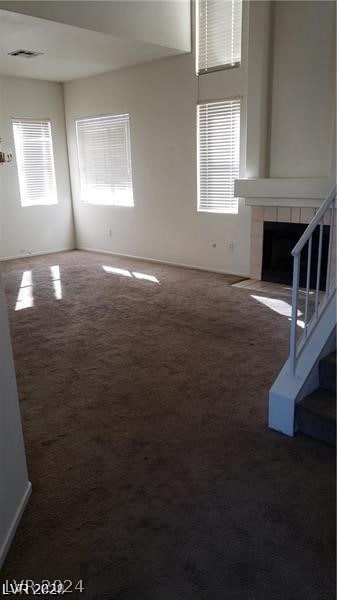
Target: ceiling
69,52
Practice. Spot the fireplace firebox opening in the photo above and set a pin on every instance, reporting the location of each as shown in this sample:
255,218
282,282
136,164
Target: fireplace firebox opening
277,263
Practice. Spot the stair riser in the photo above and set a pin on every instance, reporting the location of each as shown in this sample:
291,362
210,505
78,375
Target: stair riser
327,376
327,372
316,426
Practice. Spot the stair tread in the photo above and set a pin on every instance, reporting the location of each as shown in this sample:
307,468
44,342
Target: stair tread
322,402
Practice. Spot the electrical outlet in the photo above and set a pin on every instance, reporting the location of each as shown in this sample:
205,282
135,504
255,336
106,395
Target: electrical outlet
231,246
214,245
109,232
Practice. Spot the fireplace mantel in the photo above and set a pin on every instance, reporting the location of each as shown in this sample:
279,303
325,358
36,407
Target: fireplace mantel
293,192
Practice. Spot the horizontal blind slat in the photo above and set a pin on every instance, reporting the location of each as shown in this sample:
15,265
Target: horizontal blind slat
35,161
219,33
218,155
104,156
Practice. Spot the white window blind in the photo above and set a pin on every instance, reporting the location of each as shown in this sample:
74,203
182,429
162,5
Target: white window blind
219,25
218,155
35,161
105,160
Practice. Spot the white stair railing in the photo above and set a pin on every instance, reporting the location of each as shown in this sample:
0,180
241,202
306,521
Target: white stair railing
324,215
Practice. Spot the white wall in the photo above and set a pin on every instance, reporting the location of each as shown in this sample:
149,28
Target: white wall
164,224
287,84
303,92
161,98
39,228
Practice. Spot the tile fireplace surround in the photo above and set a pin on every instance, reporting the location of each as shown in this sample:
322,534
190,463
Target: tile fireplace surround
283,201
280,214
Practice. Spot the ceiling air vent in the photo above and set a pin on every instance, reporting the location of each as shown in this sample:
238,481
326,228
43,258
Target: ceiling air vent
24,53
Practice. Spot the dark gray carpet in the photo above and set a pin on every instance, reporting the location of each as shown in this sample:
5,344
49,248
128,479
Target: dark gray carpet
144,411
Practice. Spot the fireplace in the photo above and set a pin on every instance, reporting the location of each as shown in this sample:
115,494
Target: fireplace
279,238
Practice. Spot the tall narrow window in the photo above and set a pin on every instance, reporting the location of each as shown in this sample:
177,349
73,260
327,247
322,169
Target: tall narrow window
218,155
219,24
105,160
35,161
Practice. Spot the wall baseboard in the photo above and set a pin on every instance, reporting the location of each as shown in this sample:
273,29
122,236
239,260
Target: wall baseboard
163,262
121,254
16,520
44,252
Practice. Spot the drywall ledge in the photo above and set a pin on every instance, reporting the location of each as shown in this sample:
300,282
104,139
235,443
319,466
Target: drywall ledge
301,191
14,525
166,24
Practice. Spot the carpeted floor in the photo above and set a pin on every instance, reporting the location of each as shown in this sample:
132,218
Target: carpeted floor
144,409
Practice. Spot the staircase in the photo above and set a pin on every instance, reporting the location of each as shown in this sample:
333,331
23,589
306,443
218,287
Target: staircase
315,415
295,403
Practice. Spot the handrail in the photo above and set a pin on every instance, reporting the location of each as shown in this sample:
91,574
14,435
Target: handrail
315,221
328,205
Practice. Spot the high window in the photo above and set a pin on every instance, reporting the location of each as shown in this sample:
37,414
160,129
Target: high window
35,161
105,160
218,26
218,133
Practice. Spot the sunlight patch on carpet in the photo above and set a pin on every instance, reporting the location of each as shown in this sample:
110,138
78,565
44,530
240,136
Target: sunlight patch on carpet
126,273
279,306
56,278
25,297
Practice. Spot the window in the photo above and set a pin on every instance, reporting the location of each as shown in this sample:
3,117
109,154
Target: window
35,162
218,34
105,160
218,155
